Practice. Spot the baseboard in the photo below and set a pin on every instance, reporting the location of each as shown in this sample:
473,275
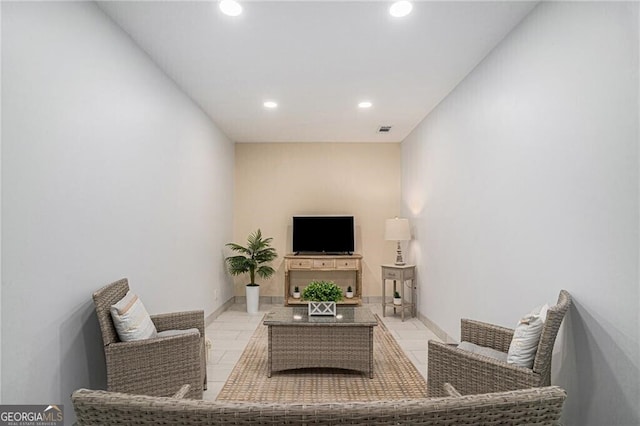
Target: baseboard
279,300
268,300
372,299
442,335
215,314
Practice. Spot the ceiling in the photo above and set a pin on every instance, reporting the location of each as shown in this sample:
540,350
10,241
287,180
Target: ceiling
317,60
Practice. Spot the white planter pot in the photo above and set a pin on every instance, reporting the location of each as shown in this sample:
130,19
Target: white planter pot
349,295
397,301
253,298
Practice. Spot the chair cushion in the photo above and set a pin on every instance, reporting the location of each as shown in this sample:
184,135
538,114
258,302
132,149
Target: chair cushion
131,319
482,350
526,336
169,333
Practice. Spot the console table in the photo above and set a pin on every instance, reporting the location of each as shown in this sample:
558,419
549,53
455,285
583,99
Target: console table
401,273
294,263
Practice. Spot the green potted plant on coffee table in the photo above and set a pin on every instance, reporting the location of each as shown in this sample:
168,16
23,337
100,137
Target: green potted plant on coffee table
322,297
251,260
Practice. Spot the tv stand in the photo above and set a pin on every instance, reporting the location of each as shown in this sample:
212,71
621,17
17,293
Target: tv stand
323,253
305,263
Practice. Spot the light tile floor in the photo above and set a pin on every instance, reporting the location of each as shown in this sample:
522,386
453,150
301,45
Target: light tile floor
230,333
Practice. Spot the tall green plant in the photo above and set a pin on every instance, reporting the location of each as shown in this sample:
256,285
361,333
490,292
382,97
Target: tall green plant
252,257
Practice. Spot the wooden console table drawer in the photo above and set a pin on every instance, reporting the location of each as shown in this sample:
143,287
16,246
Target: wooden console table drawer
324,263
347,264
299,264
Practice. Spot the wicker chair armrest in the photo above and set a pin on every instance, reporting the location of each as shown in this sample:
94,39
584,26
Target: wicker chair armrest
470,373
152,344
485,334
179,321
155,366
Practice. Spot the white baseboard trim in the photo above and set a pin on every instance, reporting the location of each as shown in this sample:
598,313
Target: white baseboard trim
269,300
442,335
215,314
372,299
279,300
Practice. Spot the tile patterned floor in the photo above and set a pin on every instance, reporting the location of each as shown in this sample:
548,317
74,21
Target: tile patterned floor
230,333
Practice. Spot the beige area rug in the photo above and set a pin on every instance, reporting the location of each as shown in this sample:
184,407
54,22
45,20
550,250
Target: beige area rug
394,377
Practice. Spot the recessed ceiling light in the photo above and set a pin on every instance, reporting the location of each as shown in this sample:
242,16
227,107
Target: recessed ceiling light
230,7
365,104
400,8
270,104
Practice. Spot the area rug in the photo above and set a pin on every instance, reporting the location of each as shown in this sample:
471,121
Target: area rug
394,376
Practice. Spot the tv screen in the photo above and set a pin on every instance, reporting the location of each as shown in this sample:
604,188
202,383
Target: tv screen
323,234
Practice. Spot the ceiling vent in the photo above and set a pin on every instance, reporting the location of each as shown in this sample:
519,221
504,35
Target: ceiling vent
384,129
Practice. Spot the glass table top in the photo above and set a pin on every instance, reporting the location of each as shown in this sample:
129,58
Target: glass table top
299,315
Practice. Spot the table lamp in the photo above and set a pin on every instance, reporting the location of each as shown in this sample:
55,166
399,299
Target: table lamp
397,230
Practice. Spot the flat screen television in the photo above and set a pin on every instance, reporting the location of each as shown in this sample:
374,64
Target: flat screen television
323,234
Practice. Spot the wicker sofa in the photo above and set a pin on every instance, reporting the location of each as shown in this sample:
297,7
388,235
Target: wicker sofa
535,406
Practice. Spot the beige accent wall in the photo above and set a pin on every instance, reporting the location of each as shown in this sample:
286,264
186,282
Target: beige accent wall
275,181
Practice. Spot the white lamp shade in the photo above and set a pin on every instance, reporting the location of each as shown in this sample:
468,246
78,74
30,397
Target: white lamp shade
397,230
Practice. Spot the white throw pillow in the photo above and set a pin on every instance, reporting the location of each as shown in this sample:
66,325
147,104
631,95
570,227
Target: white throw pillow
131,319
526,336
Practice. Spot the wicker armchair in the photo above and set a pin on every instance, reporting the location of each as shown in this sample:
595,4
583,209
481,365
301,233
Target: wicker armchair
471,373
536,406
155,366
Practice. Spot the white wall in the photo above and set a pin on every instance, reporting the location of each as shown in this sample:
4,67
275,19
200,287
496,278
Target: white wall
524,181
108,171
0,217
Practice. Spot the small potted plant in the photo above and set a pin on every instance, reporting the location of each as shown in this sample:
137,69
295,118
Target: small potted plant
397,300
296,292
322,297
349,293
250,260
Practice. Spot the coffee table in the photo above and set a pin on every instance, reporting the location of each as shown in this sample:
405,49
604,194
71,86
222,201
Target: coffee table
299,341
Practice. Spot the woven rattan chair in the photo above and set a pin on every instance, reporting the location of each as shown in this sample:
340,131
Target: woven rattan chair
155,366
471,373
536,406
